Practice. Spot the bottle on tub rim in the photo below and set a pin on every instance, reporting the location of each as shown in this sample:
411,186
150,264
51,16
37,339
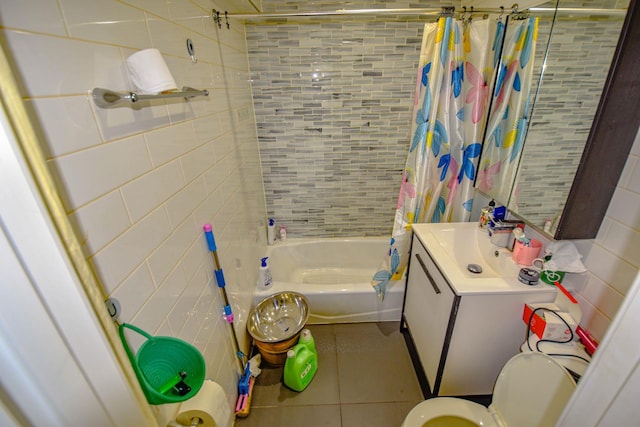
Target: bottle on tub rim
265,281
271,232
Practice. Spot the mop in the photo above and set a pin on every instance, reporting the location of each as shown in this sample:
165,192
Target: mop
245,385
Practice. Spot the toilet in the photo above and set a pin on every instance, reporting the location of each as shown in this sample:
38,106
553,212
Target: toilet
531,391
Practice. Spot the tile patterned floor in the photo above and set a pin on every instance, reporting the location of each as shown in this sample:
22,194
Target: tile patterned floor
365,378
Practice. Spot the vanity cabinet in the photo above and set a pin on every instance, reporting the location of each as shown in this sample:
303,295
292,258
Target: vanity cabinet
462,338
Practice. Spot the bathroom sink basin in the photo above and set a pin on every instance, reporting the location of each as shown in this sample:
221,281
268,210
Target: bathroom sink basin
459,248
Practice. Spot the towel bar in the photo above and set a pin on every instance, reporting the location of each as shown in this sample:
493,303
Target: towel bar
106,98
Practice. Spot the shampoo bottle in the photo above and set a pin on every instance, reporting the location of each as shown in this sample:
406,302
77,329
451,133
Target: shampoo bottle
283,233
264,275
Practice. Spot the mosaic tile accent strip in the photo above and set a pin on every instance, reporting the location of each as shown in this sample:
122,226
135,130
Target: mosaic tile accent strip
333,102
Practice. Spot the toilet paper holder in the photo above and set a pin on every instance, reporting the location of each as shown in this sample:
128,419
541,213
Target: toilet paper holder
105,98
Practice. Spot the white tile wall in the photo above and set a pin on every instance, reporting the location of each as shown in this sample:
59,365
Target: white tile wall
126,25
69,121
103,168
103,220
613,258
140,182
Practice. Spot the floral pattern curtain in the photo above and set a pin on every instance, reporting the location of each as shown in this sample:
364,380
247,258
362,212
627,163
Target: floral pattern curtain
453,89
510,109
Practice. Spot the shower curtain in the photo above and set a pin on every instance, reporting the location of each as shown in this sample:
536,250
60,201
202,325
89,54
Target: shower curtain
510,110
453,89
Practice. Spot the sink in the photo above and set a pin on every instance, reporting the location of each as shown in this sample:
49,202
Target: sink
455,246
467,244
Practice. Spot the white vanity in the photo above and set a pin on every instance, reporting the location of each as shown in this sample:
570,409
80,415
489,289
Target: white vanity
464,325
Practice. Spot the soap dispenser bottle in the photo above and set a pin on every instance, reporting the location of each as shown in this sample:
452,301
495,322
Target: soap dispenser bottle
271,232
264,275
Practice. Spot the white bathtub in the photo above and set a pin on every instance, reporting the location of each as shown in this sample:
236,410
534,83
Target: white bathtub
335,275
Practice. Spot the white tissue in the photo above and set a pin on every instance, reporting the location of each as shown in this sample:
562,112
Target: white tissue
564,257
149,73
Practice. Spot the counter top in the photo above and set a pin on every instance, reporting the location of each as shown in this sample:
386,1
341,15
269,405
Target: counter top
453,246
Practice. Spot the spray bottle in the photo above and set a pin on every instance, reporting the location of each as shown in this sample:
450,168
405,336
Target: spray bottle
264,275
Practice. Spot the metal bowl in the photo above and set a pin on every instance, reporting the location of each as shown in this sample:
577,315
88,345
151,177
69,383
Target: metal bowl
278,317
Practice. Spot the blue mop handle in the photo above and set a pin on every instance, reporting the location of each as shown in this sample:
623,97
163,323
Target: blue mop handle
211,241
220,278
228,313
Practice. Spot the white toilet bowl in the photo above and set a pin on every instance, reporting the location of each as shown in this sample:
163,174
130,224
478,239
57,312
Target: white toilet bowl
531,391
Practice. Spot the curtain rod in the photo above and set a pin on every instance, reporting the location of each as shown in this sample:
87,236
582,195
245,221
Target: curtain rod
428,11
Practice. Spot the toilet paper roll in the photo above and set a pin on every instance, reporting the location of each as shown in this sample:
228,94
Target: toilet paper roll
209,404
149,73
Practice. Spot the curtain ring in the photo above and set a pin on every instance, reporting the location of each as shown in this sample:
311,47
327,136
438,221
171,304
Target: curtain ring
501,13
466,16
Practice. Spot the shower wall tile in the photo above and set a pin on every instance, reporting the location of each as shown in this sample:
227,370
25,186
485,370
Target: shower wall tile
160,8
182,204
158,307
149,191
139,181
51,66
42,16
167,143
135,290
68,123
186,302
333,105
106,167
103,220
169,37
118,259
127,26
197,161
168,255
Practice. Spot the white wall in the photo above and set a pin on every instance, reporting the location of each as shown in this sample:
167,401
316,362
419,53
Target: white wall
140,183
613,257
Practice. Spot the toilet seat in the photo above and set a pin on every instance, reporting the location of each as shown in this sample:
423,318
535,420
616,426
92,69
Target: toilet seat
449,406
531,391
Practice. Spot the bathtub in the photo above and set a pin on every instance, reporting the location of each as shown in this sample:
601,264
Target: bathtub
335,275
